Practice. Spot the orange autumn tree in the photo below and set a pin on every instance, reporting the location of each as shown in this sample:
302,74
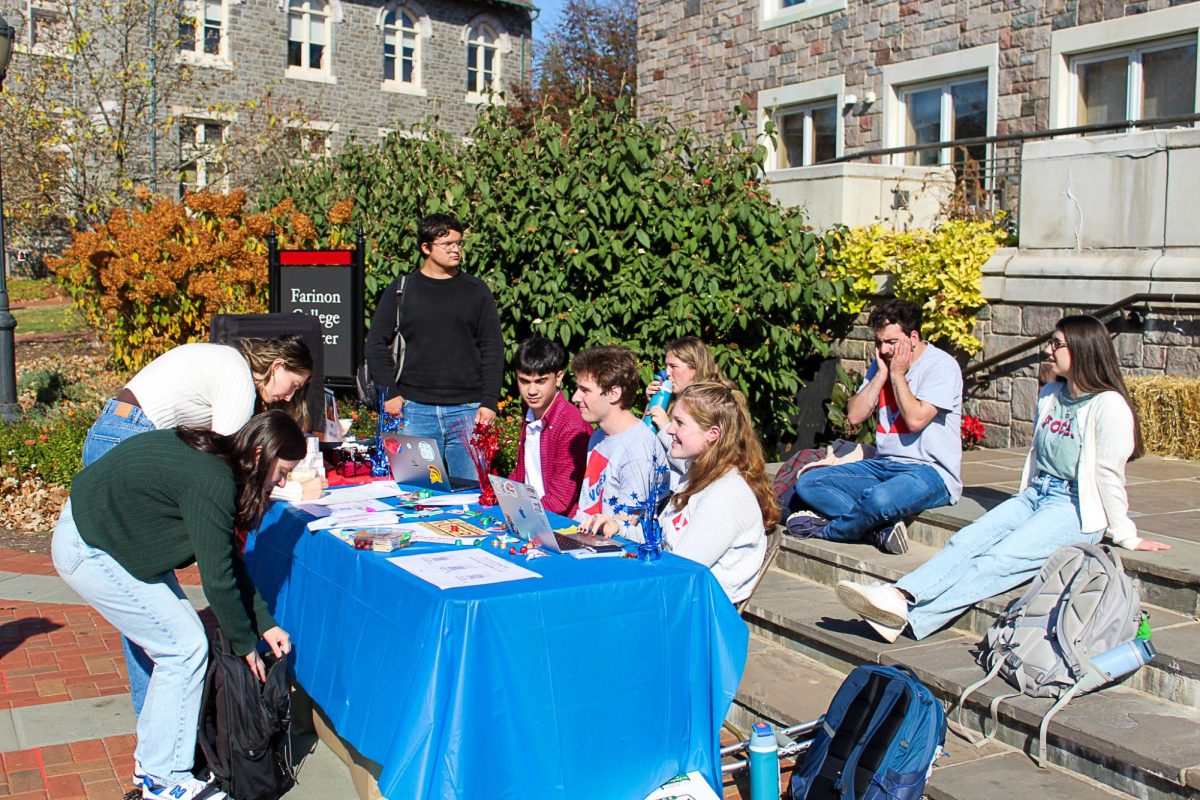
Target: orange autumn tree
153,276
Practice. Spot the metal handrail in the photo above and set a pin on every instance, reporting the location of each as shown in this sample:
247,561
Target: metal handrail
1039,341
1095,127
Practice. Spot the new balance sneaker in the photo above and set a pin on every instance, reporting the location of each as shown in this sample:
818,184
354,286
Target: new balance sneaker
878,602
141,781
189,788
893,539
804,524
889,635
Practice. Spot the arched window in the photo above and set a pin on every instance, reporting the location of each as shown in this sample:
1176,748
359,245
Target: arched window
483,61
308,36
401,48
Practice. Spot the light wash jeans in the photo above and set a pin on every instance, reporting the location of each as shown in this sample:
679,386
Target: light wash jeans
450,427
864,496
997,552
157,616
109,430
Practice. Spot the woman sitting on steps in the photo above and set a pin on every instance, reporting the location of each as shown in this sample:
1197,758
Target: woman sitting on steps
1072,490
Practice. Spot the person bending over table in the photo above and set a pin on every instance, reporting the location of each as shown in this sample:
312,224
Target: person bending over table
155,503
721,512
213,386
1072,490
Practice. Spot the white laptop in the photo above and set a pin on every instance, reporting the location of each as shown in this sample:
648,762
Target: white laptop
527,520
416,461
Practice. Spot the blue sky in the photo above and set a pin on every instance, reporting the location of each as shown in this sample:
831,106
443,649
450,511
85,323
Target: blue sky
548,19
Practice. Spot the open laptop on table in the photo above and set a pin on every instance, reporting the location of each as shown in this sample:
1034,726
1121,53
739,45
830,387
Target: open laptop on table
527,520
417,461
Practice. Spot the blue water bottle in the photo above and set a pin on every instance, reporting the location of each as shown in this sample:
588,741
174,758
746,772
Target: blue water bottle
661,399
764,763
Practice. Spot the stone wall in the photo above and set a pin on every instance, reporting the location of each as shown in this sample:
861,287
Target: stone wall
1150,341
695,67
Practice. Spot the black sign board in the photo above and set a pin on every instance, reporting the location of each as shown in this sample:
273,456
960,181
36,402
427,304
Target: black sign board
328,285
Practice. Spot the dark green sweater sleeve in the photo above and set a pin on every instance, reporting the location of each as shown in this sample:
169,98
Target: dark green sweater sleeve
208,511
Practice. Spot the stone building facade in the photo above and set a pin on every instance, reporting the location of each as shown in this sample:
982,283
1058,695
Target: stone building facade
330,69
1101,217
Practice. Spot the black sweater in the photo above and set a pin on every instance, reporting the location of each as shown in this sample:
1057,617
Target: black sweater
454,353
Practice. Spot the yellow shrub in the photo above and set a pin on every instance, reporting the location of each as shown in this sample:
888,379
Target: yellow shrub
939,270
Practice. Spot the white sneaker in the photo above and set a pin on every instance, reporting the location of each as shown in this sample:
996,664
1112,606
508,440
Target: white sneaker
189,788
879,602
889,635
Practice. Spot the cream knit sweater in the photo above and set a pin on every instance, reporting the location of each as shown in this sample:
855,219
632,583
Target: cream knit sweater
202,385
1107,443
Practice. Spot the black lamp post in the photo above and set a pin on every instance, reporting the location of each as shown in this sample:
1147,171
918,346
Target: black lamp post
9,409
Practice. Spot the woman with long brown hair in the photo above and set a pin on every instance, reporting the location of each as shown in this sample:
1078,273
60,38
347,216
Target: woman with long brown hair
1072,491
159,501
720,514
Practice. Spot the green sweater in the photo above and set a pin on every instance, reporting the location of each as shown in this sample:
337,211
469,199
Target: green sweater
155,504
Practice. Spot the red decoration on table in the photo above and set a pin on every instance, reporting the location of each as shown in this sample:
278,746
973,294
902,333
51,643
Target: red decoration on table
483,444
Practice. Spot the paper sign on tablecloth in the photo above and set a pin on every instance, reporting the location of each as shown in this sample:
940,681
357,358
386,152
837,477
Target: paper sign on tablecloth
366,491
462,567
684,787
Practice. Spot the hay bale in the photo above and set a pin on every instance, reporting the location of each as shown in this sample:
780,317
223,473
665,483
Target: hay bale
1167,408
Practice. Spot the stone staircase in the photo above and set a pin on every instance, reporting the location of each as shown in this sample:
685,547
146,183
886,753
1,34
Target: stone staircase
1141,738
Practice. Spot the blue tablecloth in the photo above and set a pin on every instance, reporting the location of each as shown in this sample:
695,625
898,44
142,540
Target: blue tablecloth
602,679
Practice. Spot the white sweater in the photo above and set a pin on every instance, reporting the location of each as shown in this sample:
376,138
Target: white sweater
202,385
722,528
1106,444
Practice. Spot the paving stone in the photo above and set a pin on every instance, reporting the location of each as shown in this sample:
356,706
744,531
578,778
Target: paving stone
1008,775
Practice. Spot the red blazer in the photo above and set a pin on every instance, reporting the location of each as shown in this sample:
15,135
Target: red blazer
564,443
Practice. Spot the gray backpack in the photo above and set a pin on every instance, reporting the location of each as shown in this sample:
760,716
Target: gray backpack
1081,604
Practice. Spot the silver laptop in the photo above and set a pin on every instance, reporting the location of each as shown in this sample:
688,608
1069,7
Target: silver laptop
527,520
416,461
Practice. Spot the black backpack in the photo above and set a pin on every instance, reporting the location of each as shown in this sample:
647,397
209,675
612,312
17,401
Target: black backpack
245,726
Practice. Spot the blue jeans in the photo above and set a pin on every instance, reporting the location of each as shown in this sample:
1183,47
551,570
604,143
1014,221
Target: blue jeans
864,496
997,552
117,422
450,427
157,616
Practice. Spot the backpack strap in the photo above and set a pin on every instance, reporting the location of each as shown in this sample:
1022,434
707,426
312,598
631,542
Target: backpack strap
970,690
397,352
994,713
891,695
1044,728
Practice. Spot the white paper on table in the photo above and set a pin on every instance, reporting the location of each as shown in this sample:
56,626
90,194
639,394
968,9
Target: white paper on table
431,537
350,520
684,787
460,567
456,499
359,507
365,491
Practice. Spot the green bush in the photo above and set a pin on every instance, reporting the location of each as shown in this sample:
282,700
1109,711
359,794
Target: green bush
49,447
603,229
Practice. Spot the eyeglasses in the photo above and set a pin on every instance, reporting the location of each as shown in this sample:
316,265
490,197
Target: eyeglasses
450,246
1055,345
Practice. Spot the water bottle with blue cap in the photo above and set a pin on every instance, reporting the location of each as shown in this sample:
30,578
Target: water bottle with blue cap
764,763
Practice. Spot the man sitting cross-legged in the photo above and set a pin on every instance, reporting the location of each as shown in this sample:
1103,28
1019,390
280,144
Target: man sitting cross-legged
623,453
918,391
554,437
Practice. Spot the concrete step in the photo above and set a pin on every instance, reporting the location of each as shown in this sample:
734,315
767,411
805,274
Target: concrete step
1133,742
787,688
1174,675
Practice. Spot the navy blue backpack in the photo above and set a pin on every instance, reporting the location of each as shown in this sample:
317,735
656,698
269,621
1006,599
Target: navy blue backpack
880,737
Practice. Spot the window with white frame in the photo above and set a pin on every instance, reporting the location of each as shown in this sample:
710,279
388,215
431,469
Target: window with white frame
202,30
201,145
308,37
483,62
401,49
308,144
1144,81
773,13
49,30
806,134
937,112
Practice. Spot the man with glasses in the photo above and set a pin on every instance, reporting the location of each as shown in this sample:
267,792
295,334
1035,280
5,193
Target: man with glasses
453,354
917,390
